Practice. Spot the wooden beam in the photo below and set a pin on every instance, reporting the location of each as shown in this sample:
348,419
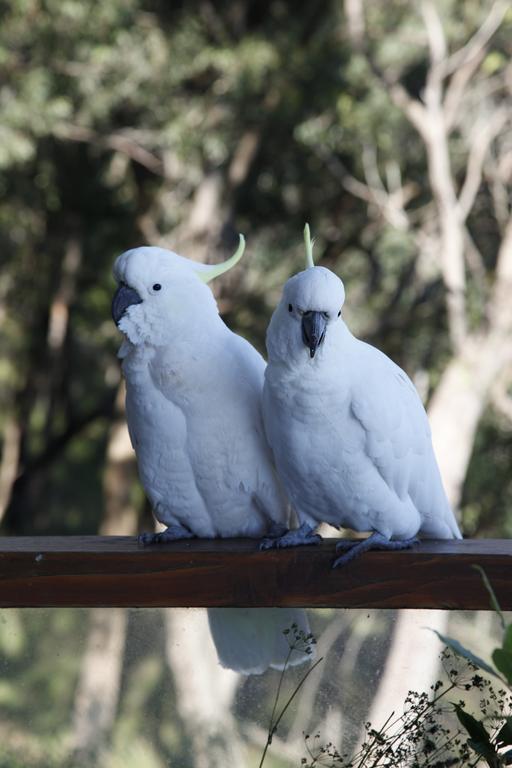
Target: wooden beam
117,571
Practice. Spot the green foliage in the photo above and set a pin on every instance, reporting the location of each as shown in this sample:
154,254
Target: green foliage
486,506
496,747
427,733
113,118
458,648
480,740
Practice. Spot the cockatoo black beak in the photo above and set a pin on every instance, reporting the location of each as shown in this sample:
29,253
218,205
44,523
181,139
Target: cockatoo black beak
124,297
314,325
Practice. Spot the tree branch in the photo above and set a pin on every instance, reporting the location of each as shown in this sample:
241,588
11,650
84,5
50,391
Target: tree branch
390,204
435,35
504,261
354,14
9,463
438,49
498,189
58,444
456,88
412,108
501,398
119,142
474,47
482,137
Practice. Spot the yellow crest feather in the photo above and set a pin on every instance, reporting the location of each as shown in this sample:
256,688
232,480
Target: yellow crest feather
309,247
218,269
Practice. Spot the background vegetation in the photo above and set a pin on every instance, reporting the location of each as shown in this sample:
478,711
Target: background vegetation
387,126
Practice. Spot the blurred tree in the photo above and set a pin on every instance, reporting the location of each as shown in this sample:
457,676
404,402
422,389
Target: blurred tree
457,112
387,126
97,693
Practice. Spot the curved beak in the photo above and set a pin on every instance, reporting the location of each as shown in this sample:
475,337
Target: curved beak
314,325
124,297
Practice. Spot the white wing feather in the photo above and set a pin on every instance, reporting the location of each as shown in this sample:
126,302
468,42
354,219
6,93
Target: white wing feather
398,439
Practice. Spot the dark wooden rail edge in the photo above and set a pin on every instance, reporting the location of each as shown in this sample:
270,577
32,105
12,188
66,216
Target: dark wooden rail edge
116,571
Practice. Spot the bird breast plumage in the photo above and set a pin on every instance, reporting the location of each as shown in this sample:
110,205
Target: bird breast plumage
201,466
354,450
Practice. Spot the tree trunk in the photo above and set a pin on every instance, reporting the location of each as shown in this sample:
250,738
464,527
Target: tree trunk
9,464
58,326
98,688
456,408
461,396
454,413
204,691
97,694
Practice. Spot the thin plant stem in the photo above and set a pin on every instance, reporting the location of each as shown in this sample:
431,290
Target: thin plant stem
278,693
273,725
363,755
492,595
271,729
441,748
375,737
297,690
419,715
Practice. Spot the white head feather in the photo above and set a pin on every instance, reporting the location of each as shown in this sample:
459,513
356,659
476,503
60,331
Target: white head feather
173,291
316,289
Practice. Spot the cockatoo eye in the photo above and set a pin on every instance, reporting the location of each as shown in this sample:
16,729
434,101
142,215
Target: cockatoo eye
157,287
290,308
339,313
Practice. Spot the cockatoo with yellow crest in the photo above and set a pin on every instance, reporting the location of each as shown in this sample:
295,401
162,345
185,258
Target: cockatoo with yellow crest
350,436
193,407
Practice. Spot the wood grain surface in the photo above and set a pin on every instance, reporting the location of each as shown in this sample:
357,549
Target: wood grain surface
117,571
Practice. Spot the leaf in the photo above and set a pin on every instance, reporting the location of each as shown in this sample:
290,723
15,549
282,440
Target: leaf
507,639
486,751
474,727
504,735
479,740
503,662
460,650
492,594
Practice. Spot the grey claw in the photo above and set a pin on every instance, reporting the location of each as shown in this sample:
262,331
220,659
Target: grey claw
293,538
344,560
376,541
268,544
172,533
345,544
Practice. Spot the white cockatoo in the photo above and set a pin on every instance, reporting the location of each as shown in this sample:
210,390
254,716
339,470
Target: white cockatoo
350,437
193,407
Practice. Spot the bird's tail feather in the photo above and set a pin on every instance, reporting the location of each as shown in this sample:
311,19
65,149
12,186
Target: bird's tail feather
250,640
454,527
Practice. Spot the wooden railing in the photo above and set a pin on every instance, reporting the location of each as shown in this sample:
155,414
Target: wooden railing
117,571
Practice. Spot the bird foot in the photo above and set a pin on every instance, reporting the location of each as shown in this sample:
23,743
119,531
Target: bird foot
355,548
276,530
298,537
172,533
